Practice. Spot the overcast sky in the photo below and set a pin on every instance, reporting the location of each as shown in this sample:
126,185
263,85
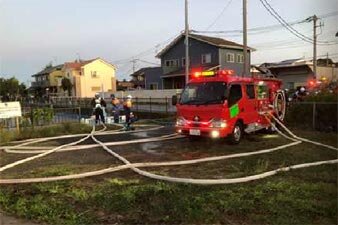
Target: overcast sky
36,32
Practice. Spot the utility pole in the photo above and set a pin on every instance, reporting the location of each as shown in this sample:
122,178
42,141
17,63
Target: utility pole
134,64
315,18
245,48
187,61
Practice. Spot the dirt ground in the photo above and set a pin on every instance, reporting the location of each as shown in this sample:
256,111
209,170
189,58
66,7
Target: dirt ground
10,220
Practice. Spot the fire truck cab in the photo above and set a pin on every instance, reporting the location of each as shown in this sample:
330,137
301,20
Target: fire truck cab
220,104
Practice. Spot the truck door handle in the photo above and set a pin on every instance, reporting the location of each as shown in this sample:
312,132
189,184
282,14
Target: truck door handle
242,109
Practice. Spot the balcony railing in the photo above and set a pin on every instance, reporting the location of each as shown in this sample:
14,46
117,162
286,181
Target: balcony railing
43,83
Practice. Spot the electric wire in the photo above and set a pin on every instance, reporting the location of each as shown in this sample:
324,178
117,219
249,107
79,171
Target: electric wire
219,16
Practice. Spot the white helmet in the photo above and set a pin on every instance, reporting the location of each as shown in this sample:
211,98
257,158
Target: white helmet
129,97
302,89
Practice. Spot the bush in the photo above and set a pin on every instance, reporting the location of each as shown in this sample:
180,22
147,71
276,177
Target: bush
325,118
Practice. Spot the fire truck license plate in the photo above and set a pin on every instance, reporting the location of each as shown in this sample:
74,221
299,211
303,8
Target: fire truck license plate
194,132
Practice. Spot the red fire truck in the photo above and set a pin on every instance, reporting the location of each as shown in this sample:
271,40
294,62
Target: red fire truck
220,104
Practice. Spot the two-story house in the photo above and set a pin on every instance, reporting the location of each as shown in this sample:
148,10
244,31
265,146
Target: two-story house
90,76
48,80
206,53
147,78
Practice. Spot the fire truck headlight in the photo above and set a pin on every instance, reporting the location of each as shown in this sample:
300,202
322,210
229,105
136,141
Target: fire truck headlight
215,134
180,121
218,123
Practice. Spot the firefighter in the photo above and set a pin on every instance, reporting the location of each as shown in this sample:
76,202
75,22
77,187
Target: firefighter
116,107
301,94
127,110
98,105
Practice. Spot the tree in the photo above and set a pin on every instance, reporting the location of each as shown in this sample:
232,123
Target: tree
67,85
11,89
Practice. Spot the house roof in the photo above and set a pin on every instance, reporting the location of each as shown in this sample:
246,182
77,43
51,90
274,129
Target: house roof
48,70
143,70
79,63
218,42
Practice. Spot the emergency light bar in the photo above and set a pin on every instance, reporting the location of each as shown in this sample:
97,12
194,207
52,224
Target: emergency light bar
204,74
213,73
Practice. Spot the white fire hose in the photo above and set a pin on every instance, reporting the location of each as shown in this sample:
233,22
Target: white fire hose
135,166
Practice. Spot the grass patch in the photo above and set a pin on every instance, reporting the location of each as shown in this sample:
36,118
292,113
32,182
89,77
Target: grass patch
276,200
46,131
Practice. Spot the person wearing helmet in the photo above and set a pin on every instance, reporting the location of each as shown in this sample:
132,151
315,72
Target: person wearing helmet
98,105
116,107
127,109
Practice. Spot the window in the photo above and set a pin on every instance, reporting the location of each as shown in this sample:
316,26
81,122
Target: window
96,89
183,61
250,91
235,94
204,93
290,85
171,63
153,86
240,58
230,57
140,78
262,92
206,58
94,74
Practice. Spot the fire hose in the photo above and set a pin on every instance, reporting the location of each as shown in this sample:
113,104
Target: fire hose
135,166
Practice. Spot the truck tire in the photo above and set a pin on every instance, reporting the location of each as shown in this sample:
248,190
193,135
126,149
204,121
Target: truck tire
237,134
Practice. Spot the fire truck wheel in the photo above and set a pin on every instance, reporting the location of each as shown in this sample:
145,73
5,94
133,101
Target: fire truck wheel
237,134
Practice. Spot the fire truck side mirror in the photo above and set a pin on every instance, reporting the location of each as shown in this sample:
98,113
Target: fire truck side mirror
174,100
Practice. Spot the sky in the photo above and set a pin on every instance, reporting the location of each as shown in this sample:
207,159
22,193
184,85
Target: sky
36,32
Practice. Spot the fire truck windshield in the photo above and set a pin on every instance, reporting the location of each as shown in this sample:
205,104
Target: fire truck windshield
204,93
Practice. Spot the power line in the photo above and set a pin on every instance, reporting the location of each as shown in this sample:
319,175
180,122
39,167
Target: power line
219,16
283,22
275,14
144,61
271,28
145,52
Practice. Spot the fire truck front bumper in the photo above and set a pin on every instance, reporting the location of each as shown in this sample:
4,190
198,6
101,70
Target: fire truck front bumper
203,131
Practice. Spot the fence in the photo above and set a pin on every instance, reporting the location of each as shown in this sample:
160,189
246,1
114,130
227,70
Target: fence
151,105
39,116
320,116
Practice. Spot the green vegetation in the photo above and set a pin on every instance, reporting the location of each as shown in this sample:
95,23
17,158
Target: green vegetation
278,200
37,132
324,96
11,89
43,115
